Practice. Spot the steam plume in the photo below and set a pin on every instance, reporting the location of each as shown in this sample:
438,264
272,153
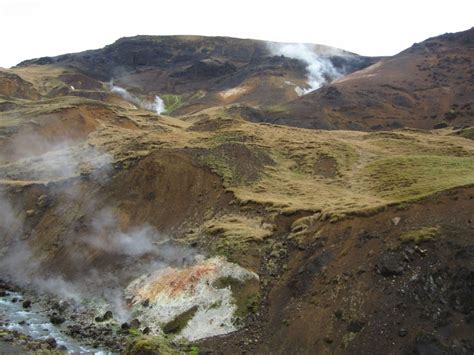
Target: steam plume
319,68
157,106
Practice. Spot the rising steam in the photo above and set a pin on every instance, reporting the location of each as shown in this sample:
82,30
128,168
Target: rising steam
157,106
137,250
319,68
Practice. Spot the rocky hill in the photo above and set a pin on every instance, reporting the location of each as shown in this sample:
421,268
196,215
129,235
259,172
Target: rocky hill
171,195
198,72
426,86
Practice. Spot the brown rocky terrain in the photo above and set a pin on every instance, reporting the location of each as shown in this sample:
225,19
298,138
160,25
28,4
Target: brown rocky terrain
425,86
355,237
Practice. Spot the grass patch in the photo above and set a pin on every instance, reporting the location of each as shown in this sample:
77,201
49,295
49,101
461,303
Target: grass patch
236,237
280,108
466,133
220,166
246,295
420,235
172,102
134,332
408,178
180,322
150,345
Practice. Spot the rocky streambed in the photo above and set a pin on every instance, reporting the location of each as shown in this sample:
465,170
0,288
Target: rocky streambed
31,322
180,305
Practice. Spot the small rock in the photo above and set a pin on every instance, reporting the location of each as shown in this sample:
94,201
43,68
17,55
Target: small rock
107,315
51,342
390,265
60,306
30,213
135,323
402,333
396,220
355,326
27,304
146,331
56,319
328,340
75,329
42,201
469,319
146,303
125,326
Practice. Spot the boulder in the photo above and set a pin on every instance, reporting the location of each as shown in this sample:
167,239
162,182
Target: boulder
391,264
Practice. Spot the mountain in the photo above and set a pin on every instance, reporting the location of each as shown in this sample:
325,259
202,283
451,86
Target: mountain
187,194
200,72
429,84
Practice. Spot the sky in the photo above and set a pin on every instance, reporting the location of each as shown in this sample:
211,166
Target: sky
37,28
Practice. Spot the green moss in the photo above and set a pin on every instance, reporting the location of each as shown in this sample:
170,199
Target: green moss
194,350
220,166
134,332
246,294
180,322
172,102
150,345
279,108
404,178
466,133
420,235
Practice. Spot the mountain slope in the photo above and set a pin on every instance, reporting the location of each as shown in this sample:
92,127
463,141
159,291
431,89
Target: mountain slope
206,230
429,84
201,71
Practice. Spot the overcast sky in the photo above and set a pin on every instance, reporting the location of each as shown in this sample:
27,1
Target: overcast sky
35,28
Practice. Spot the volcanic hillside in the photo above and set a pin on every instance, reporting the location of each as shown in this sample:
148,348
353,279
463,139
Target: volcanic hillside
355,239
426,86
191,72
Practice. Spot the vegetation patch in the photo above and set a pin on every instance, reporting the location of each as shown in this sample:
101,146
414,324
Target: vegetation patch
150,345
180,322
234,233
420,235
172,102
246,295
411,177
466,133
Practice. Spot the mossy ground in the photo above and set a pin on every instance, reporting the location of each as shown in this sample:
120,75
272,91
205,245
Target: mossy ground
245,293
172,102
180,322
420,235
151,345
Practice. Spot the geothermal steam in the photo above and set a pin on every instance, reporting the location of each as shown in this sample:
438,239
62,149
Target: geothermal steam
139,249
157,106
319,68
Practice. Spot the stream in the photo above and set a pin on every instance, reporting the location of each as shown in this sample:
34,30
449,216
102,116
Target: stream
35,322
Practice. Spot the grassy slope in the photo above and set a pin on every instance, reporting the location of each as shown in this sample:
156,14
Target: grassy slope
371,169
366,170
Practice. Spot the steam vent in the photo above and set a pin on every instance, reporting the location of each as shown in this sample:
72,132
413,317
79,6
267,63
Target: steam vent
215,195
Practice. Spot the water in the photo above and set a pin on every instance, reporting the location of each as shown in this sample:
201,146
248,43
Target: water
36,324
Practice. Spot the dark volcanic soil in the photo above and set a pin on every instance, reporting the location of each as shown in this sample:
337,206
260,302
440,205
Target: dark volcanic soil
354,287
